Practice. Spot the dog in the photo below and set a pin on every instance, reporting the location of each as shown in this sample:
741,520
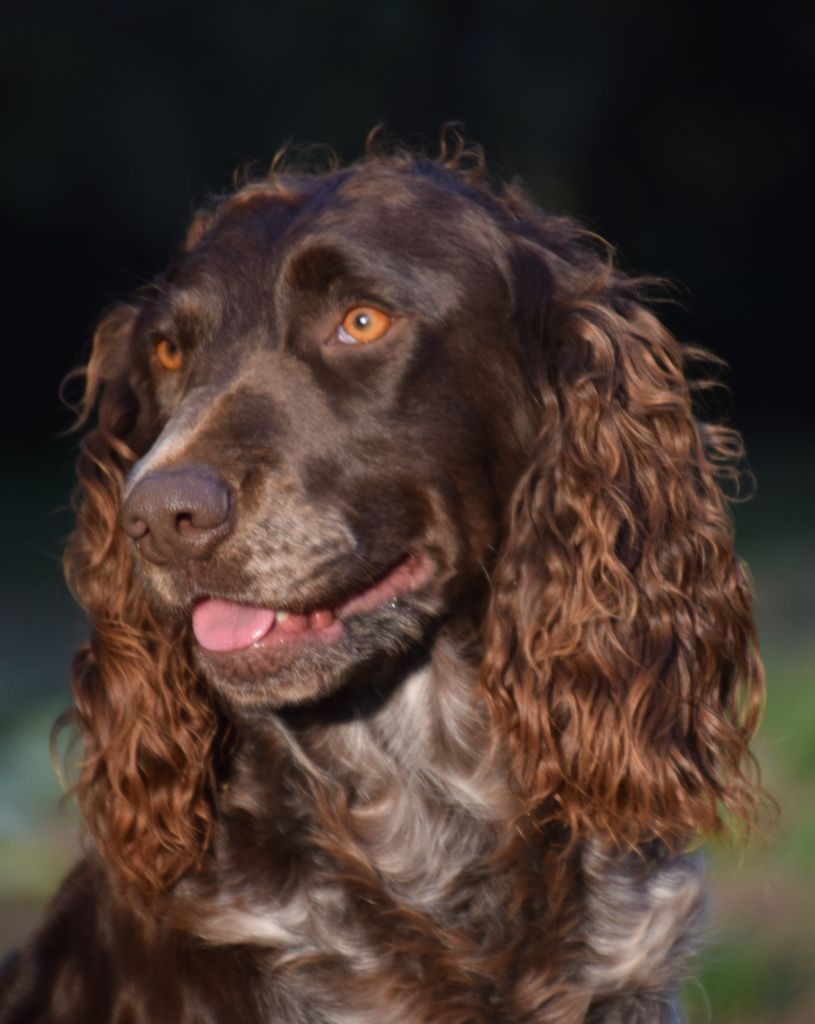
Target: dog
420,655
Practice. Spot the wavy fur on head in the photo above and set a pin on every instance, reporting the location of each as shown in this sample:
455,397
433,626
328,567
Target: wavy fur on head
476,803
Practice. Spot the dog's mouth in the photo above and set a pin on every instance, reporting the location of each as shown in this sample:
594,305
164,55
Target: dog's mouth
225,627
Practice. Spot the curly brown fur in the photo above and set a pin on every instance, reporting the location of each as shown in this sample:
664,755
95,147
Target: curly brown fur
520,671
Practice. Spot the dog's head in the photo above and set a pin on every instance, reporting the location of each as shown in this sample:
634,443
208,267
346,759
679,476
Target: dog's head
332,407
360,406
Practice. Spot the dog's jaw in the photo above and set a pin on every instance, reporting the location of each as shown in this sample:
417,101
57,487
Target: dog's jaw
290,665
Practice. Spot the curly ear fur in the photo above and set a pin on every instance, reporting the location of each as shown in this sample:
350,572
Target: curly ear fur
621,656
147,728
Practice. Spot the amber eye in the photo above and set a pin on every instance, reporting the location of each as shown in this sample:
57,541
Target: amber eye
169,355
362,324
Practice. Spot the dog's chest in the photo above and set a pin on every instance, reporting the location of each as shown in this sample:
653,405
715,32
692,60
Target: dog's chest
382,870
396,918
387,874
401,807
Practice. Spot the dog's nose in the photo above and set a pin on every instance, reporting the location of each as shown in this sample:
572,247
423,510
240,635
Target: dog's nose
178,514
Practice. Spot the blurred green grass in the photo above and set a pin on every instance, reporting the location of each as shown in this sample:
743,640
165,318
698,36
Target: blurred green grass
759,964
759,967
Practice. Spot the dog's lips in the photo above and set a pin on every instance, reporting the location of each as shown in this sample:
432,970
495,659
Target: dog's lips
223,626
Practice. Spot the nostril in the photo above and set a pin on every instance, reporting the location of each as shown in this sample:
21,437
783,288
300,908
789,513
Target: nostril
206,506
184,523
190,523
134,526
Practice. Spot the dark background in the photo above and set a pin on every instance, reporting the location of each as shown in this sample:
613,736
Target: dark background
677,131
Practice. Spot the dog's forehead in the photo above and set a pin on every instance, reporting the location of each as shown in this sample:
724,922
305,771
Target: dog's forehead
374,207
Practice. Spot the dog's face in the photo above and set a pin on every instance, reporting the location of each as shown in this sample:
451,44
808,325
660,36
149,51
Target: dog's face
335,401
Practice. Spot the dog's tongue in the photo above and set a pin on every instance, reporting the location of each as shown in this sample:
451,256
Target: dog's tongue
229,626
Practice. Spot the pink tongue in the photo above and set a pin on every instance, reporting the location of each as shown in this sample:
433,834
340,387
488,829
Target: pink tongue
228,626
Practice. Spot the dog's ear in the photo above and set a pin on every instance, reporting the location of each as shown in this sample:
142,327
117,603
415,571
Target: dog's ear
109,364
112,339
621,657
116,381
139,708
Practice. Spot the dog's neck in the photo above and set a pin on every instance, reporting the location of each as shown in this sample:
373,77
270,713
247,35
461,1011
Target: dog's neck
402,771
417,715
417,725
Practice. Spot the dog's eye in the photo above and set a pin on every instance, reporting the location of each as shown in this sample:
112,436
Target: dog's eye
168,354
363,324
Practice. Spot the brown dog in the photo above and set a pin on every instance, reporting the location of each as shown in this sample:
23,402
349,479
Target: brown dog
419,650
